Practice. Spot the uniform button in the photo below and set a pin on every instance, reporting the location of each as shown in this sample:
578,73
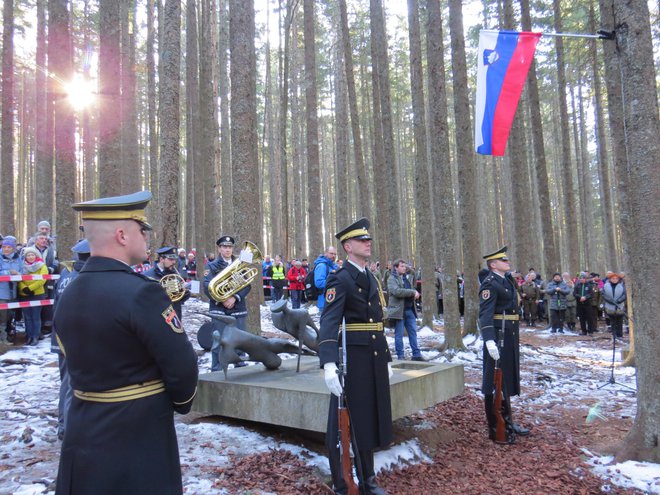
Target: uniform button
373,337
359,290
375,353
371,320
369,304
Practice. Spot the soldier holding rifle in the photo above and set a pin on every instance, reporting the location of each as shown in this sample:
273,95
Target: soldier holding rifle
498,320
354,295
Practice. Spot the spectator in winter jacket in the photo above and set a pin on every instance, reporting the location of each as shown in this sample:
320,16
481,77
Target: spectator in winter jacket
583,292
614,299
557,290
10,264
277,274
571,302
323,265
32,290
296,277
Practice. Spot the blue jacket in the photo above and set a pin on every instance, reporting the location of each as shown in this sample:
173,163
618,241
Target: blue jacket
322,268
13,262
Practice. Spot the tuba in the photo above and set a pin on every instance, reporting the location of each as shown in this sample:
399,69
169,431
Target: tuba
174,285
237,275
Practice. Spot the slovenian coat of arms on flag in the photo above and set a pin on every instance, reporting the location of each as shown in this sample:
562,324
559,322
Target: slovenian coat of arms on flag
503,62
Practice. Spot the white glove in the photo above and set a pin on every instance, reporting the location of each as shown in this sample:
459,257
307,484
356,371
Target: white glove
332,378
389,370
494,352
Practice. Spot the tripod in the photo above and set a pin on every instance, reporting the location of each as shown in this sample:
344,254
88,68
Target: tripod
611,380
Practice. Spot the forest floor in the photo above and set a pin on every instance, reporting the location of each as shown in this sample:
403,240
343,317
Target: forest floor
575,427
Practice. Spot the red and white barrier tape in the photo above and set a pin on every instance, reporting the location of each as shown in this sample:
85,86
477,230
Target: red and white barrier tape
26,304
18,278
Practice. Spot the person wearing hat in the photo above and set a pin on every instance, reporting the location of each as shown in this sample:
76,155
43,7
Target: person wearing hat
10,264
129,359
498,321
168,261
614,299
32,290
584,291
353,296
236,305
68,274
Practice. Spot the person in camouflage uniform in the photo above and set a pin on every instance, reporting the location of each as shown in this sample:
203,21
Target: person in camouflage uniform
529,293
571,302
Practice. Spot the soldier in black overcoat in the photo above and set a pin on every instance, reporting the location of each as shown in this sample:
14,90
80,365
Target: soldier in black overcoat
167,265
353,294
130,362
498,320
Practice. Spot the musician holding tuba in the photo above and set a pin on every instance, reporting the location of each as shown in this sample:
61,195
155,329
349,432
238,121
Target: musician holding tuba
165,271
235,304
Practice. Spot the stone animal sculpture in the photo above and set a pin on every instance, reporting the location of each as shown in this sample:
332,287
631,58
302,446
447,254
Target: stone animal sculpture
228,340
297,323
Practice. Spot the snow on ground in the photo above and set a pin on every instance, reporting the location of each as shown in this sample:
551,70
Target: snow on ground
551,375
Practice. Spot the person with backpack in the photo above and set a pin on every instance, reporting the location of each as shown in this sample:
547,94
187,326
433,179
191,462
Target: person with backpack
296,277
323,266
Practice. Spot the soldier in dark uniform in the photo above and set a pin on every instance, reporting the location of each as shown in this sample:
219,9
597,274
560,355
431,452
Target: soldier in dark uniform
354,294
68,273
129,359
498,320
236,305
167,265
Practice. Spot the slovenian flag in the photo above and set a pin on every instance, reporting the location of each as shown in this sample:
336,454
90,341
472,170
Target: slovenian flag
503,62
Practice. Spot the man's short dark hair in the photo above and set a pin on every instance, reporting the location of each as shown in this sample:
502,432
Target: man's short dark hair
397,262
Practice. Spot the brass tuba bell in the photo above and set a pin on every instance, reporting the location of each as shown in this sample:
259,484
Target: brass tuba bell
174,285
237,275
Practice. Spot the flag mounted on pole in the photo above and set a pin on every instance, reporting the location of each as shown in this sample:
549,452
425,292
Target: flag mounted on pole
504,59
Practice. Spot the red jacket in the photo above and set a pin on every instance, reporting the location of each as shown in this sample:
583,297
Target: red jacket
296,278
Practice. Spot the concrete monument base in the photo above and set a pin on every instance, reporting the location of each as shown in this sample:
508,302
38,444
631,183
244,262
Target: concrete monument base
300,400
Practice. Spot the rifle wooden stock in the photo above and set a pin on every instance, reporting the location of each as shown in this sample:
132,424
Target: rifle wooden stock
345,449
500,430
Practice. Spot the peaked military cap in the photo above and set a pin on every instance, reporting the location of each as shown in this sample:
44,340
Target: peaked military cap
225,240
357,230
128,207
167,252
500,254
81,247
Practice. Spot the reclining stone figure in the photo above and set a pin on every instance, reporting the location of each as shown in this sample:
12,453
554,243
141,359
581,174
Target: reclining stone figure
297,323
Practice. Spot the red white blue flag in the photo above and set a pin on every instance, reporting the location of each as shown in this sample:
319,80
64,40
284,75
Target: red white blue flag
503,62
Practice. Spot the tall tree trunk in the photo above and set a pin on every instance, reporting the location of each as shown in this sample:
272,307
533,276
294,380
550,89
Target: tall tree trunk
571,228
379,49
207,203
130,155
7,200
342,138
466,168
441,173
550,261
423,205
315,211
168,110
363,186
224,185
609,223
248,217
60,64
642,140
43,173
194,217
109,117
151,100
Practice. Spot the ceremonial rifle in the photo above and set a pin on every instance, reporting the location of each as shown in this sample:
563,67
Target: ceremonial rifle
500,430
345,422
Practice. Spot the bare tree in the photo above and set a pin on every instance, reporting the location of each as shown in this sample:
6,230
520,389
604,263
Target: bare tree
110,169
130,158
168,110
7,223
642,142
248,215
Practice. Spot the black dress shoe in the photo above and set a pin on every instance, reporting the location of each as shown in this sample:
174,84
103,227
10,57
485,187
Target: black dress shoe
519,430
372,488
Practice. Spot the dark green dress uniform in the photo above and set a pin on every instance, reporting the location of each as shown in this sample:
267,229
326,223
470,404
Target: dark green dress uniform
131,367
498,320
357,297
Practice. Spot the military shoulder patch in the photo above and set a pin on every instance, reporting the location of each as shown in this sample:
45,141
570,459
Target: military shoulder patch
485,294
330,295
172,319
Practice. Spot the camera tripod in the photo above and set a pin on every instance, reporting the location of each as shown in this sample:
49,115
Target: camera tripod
611,380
